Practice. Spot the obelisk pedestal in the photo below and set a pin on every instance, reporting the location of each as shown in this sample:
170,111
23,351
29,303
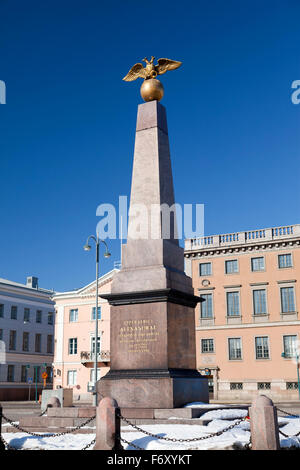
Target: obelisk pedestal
153,350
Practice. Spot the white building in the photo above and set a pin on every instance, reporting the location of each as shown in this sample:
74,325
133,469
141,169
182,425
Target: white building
27,318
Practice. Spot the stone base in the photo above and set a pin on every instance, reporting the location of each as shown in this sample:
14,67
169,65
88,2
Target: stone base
172,388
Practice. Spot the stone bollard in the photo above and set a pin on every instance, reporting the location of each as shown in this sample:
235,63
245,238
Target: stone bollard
108,425
53,402
264,424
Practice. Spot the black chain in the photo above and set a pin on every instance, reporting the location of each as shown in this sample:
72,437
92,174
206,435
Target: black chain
289,414
89,445
286,435
131,444
48,434
9,447
219,433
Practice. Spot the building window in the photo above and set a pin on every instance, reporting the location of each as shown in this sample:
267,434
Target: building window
207,345
233,304
38,341
264,386
258,264
287,299
50,318
37,374
1,310
231,266
259,302
290,345
262,347
94,313
38,316
72,377
10,373
235,348
12,340
25,341
206,307
93,345
285,261
24,374
26,315
1,334
72,345
236,386
14,312
50,344
205,269
73,315
292,385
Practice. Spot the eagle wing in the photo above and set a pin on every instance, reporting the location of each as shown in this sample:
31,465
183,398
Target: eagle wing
135,72
166,64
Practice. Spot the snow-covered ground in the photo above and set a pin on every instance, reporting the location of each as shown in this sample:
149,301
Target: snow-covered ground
220,419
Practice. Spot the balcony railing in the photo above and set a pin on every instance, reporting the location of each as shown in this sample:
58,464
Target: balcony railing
241,238
89,356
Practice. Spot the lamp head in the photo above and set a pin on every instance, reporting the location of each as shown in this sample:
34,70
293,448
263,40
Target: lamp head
87,247
107,254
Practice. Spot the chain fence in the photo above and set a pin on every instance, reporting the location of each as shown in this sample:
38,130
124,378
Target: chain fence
182,441
293,416
247,446
43,435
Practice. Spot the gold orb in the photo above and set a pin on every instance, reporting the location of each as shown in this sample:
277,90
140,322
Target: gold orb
152,89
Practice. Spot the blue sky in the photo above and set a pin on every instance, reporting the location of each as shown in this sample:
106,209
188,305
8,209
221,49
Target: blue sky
67,130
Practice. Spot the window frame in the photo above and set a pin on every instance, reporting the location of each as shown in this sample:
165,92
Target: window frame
294,299
205,274
258,270
26,335
268,346
230,261
49,343
10,376
12,334
227,304
39,316
71,313
288,356
241,348
38,343
208,351
211,316
72,372
93,313
15,309
255,289
285,267
73,346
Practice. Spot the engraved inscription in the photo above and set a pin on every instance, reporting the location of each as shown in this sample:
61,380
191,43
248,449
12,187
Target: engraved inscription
138,335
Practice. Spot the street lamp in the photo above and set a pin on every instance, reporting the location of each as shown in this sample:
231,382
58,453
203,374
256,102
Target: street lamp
87,247
35,368
296,356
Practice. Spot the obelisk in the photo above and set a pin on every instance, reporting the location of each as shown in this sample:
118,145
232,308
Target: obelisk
152,335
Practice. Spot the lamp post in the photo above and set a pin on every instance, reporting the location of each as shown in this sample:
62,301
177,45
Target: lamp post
87,247
35,368
296,356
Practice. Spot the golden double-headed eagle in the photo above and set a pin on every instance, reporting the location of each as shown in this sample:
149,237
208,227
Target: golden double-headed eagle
151,70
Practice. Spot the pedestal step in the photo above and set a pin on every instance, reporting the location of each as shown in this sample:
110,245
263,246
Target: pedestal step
50,423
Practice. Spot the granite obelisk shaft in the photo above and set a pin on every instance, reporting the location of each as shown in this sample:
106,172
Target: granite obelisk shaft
153,350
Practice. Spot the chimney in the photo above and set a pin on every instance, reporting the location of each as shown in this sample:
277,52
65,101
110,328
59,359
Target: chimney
32,282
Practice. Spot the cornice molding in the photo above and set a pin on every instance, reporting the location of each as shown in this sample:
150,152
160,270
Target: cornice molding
242,249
